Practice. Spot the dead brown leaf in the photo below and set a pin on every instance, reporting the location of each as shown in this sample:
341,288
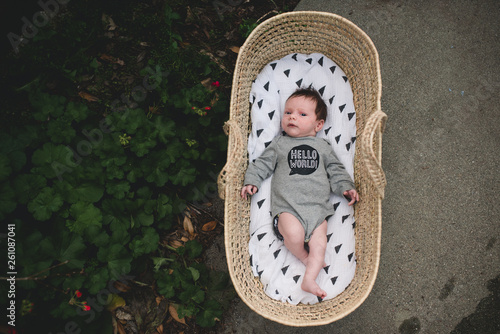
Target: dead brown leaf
173,312
112,59
176,244
235,49
159,329
188,225
88,97
210,226
121,286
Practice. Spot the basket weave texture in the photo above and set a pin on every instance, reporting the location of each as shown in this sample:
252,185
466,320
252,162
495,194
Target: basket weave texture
349,47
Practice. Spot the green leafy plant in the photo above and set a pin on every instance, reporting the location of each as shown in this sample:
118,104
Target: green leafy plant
91,190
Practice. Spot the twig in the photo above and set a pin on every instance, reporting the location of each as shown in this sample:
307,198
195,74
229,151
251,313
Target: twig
33,277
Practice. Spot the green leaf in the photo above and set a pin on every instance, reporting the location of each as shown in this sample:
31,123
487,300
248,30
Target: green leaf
184,177
84,215
77,111
47,105
194,248
164,129
5,169
43,205
210,313
51,157
118,189
144,219
27,186
87,192
195,273
163,207
71,247
147,244
7,200
97,280
60,130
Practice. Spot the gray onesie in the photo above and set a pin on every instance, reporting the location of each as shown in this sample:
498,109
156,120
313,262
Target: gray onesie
305,170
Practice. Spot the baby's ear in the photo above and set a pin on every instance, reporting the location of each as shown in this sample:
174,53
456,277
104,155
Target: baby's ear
319,125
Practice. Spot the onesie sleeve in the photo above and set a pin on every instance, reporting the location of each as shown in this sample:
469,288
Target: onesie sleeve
340,180
262,167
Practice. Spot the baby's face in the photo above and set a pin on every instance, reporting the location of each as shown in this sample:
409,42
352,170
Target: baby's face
299,118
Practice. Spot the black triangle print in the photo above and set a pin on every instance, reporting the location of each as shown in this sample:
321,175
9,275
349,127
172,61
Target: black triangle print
321,90
259,203
299,83
319,299
337,138
353,139
273,65
341,108
251,260
266,86
328,237
320,61
290,297
349,257
310,60
326,269
287,73
296,278
276,253
267,144
337,248
336,205
259,132
276,292
344,218
348,146
345,78
331,99
284,269
350,115
260,273
271,114
254,97
327,130
353,225
334,279
260,236
260,103
332,69
294,57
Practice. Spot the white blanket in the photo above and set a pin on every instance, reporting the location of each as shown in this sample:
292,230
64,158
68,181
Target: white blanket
281,272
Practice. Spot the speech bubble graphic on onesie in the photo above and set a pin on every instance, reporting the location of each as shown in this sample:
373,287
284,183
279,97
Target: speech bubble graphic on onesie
303,160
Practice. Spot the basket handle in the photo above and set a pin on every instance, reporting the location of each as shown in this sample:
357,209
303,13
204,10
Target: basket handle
374,126
231,129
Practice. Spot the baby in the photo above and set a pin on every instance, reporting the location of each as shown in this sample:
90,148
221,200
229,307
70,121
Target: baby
305,171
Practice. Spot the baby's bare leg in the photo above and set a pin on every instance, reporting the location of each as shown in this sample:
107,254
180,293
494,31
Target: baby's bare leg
293,234
315,261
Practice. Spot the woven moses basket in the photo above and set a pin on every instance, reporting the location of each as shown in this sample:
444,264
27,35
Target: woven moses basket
349,47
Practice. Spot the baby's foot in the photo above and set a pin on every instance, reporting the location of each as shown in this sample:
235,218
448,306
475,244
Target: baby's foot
312,287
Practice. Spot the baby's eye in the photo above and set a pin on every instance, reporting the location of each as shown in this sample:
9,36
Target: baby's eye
303,114
287,113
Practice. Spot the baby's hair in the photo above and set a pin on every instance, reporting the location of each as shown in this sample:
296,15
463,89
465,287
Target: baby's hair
312,94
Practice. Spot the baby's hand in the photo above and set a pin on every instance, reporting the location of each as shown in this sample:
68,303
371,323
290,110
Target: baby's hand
352,195
248,189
